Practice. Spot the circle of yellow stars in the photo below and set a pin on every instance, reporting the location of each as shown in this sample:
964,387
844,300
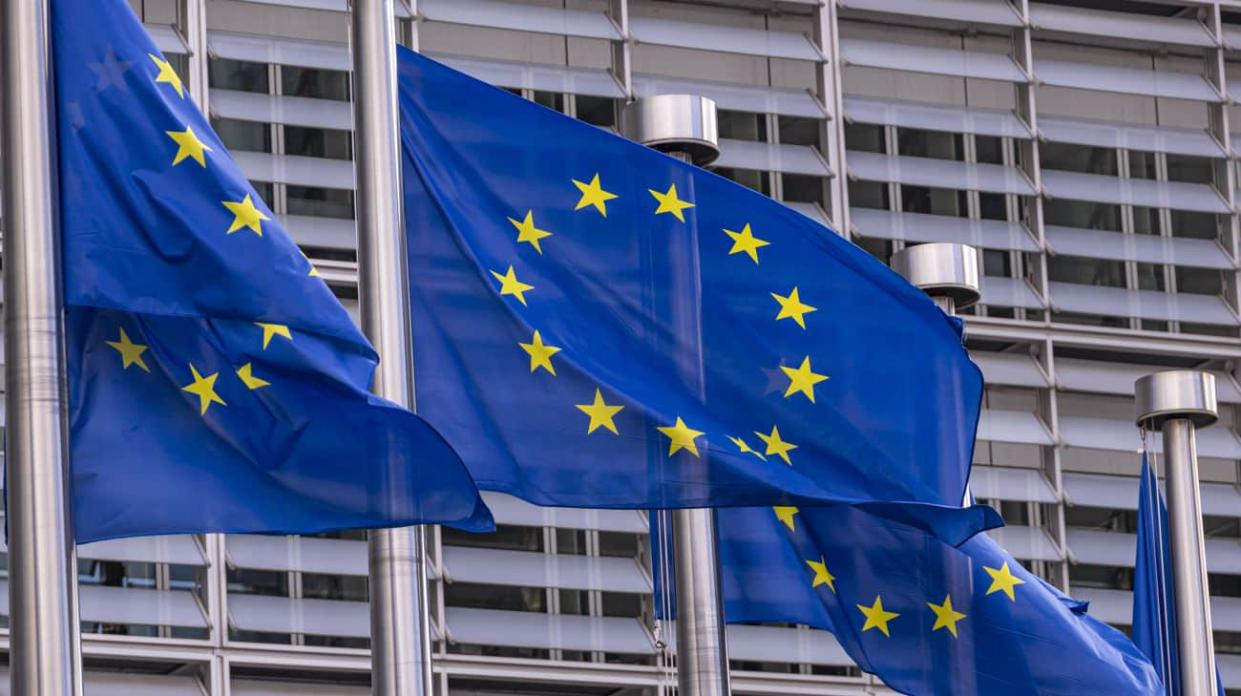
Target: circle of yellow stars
246,215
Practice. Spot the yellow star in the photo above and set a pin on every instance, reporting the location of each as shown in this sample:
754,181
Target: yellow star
776,446
792,307
246,373
745,447
785,514
528,233
509,285
946,616
167,74
540,353
745,241
245,214
131,353
822,576
669,203
802,379
204,389
601,414
876,616
272,330
1003,580
682,437
593,194
188,145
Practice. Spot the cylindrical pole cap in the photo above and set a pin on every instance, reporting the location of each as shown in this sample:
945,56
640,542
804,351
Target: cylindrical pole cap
675,123
1164,396
942,269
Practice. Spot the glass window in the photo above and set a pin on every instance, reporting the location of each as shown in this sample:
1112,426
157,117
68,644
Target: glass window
504,537
992,206
350,588
800,131
923,143
571,541
552,100
314,83
799,188
319,202
250,136
599,111
1199,281
463,594
1141,164
864,137
265,191
270,583
742,125
935,201
989,149
623,605
1084,271
1194,225
1151,276
1078,158
1083,214
318,142
1145,220
243,76
997,263
759,181
869,194
879,248
1195,170
1104,577
618,544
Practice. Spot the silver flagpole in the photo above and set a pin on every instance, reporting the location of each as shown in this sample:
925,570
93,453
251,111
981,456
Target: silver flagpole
1179,402
949,274
42,658
685,127
400,632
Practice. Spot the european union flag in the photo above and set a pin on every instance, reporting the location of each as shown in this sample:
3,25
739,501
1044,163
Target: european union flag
1154,606
598,324
216,384
924,616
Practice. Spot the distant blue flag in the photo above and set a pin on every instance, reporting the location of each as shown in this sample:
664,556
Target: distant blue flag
922,615
216,385
1154,605
598,324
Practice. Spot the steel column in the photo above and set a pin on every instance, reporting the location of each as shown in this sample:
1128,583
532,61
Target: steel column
44,657
1178,402
400,632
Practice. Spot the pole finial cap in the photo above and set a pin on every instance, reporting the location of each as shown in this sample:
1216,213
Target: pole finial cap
675,123
942,269
1163,396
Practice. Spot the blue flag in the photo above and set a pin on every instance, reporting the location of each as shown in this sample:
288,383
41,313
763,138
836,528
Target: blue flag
216,384
598,324
924,616
1154,606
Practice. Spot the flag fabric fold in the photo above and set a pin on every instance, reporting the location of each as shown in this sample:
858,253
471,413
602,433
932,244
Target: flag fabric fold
215,382
597,324
1154,605
924,616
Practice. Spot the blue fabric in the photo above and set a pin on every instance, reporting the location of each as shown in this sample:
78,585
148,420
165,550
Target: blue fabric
166,286
1039,641
1154,605
671,315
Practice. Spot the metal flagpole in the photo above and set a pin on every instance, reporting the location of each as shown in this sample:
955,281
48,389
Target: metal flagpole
1179,402
400,632
685,127
949,274
42,657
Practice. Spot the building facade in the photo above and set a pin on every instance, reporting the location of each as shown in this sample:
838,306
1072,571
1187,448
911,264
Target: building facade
1085,146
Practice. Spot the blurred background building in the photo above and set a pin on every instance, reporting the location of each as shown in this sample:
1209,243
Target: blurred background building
1085,146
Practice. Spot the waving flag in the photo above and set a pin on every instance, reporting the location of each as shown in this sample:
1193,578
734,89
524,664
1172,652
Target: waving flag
1154,606
924,616
216,384
597,324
